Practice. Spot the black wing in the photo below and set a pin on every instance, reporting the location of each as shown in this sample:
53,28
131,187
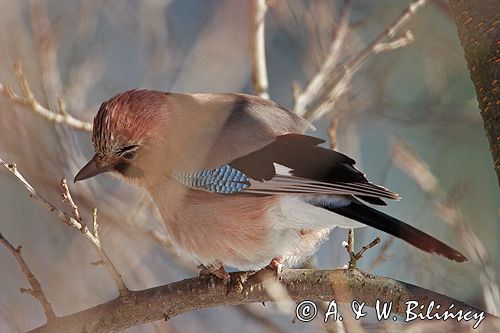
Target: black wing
293,163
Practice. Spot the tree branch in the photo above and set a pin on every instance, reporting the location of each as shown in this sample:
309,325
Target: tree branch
165,242
354,257
166,302
479,30
36,289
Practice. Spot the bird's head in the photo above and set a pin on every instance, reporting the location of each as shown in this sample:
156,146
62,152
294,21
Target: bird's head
123,131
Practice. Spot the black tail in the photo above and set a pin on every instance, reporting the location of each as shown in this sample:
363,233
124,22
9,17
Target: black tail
369,216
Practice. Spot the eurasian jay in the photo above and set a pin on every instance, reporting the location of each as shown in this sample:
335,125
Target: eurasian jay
236,181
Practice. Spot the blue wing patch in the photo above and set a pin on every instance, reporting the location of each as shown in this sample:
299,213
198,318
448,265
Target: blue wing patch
224,180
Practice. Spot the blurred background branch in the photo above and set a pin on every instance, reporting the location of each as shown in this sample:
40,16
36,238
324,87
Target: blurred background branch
258,46
446,208
28,100
332,82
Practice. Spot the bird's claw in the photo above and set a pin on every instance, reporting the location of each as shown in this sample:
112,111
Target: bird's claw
216,270
276,266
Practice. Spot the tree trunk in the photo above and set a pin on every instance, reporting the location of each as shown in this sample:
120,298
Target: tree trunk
478,24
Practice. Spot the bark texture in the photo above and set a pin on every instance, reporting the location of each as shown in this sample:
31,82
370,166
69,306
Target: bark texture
168,301
478,24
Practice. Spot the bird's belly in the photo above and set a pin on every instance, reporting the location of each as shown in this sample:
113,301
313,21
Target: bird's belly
239,231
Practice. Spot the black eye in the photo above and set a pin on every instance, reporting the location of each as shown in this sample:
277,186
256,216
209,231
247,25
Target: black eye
129,155
128,152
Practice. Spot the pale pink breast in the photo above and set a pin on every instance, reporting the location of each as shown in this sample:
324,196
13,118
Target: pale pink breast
207,227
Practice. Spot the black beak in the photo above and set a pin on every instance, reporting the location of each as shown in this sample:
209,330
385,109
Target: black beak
90,170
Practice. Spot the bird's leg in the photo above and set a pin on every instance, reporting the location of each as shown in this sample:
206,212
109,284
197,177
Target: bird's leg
276,265
216,269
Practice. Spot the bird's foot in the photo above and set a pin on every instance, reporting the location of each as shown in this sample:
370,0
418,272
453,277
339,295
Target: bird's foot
276,265
216,270
271,271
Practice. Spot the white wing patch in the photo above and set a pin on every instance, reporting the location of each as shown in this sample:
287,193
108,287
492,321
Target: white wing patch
224,180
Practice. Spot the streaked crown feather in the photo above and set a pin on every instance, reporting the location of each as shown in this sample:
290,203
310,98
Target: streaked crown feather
126,117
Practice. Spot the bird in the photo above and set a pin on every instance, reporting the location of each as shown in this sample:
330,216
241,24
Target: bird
236,180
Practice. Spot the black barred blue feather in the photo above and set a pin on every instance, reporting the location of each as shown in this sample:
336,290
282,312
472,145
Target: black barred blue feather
223,180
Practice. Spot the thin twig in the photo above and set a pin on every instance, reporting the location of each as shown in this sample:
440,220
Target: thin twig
354,257
258,47
338,85
364,248
69,199
27,99
93,237
62,216
73,221
36,289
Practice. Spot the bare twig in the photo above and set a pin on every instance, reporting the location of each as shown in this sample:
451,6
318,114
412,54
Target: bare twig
408,160
334,88
33,194
74,221
258,47
349,245
66,196
27,99
36,289
354,257
93,237
364,248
